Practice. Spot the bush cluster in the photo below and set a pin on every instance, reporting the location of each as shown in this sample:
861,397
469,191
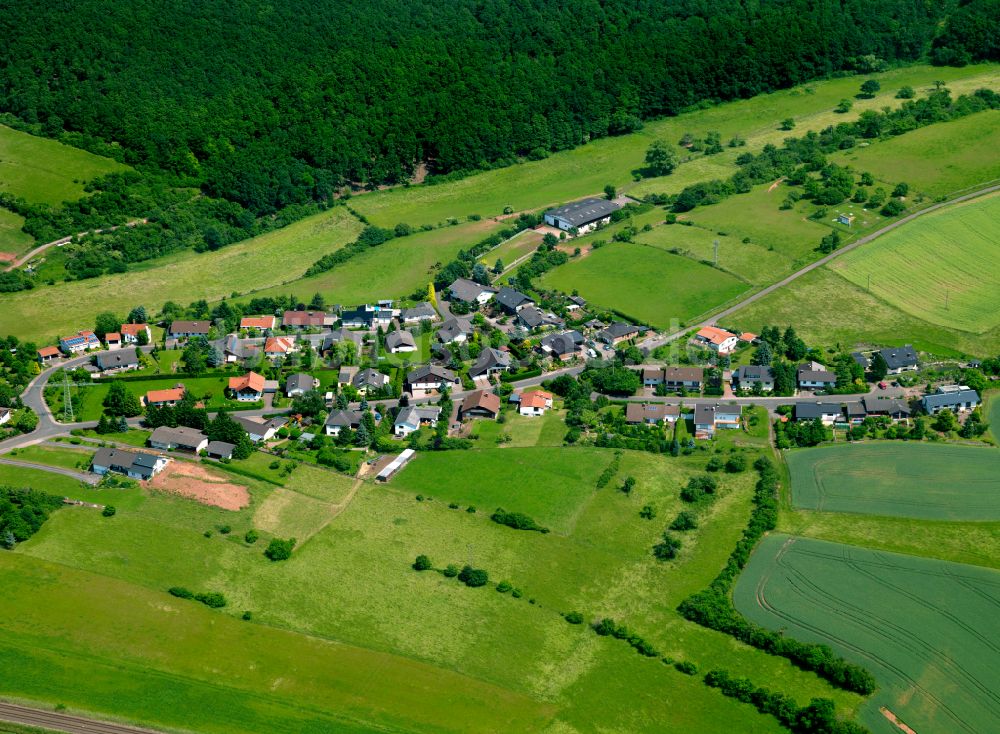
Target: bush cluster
516,520
212,599
608,627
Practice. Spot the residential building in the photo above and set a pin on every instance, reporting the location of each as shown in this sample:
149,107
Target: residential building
368,380
341,419
220,450
366,317
264,323
750,377
400,341
48,354
455,330
956,398
683,378
235,349
306,320
899,359
130,333
617,333
894,408
113,340
532,317
299,383
716,339
562,346
120,360
828,413
534,403
259,429
421,312
5,414
133,464
861,360
813,376
581,216
187,329
469,291
163,398
247,389
431,377
181,437
79,342
854,412
748,337
479,404
712,417
490,362
651,413
276,347
413,417
511,301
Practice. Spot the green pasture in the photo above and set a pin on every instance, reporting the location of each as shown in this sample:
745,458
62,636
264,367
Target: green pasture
521,430
133,437
927,629
519,246
916,480
45,171
64,458
935,267
268,260
646,283
12,239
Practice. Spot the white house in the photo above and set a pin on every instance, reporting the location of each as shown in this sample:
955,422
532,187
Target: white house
431,377
4,415
716,339
956,398
535,403
581,216
181,437
710,417
413,417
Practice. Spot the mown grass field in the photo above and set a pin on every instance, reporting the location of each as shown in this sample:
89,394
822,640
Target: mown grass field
12,239
65,458
45,171
646,283
901,479
935,268
927,629
272,258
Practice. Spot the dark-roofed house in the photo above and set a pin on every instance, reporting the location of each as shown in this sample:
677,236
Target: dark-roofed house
651,375
899,359
532,317
340,419
828,413
894,408
512,301
683,378
710,417
750,376
490,362
861,360
421,312
134,464
259,429
185,329
617,333
431,377
369,380
120,360
855,412
299,384
220,450
469,291
581,216
455,330
400,341
181,437
956,398
412,417
479,403
562,346
814,376
651,413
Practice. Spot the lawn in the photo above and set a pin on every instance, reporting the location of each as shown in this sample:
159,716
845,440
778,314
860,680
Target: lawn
901,479
933,268
18,476
45,171
268,260
927,629
645,283
64,458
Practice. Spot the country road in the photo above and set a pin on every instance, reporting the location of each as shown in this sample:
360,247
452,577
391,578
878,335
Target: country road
659,341
57,721
66,240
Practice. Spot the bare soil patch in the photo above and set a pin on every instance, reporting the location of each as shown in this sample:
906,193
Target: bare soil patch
899,724
7,257
197,483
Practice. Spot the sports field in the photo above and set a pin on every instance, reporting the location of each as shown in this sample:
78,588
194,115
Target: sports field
646,283
928,630
936,267
903,479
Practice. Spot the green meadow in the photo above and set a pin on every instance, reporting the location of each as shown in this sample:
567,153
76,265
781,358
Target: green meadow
12,240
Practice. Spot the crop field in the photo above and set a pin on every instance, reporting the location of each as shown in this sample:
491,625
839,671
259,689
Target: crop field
927,629
45,171
903,479
933,267
937,160
646,283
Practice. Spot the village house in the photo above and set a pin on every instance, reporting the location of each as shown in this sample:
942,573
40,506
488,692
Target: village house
534,403
79,342
748,337
400,341
306,320
368,381
575,304
299,384
479,404
113,340
48,354
259,429
179,330
366,317
247,389
455,330
532,318
828,413
239,350
581,216
220,450
716,339
276,347
862,360
956,398
181,437
490,362
813,376
854,412
164,398
899,359
651,413
469,291
263,323
133,464
749,377
413,417
562,346
120,360
431,377
893,408
130,333
341,419
421,312
711,417
617,333
683,378
511,301
5,414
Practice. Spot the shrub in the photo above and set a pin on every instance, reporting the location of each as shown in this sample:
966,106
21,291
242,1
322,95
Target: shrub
247,616
422,563
517,593
504,586
574,618
714,464
473,576
279,550
180,592
225,529
251,537
109,511
684,521
736,464
451,570
516,520
471,510
647,512
211,599
667,548
686,667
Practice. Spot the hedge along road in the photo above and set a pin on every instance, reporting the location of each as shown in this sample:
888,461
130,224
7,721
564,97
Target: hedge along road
659,341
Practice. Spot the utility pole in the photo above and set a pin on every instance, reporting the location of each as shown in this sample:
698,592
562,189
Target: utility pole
67,400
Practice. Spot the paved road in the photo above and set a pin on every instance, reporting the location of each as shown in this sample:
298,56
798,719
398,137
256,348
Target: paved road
659,341
58,721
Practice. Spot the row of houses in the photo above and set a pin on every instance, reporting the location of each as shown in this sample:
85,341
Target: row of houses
956,398
708,417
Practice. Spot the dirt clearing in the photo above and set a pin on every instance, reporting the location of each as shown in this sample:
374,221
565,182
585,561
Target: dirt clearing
197,483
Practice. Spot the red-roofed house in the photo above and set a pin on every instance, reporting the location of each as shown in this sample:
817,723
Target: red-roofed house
161,398
113,340
248,388
748,337
304,319
278,346
535,403
717,339
130,333
257,322
47,354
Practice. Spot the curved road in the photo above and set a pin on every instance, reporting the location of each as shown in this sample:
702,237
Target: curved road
66,240
712,320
